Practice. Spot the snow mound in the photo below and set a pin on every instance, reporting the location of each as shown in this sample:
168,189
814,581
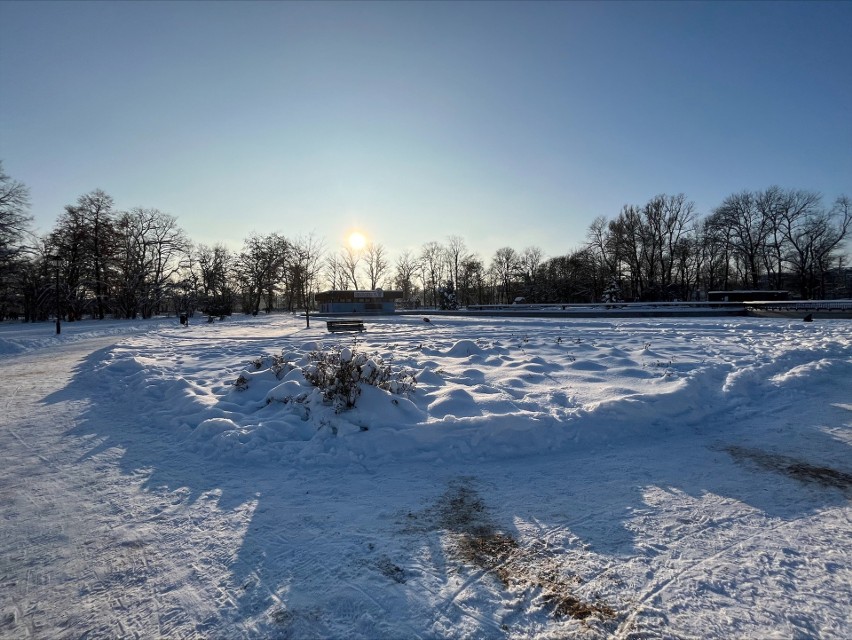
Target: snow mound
464,348
546,394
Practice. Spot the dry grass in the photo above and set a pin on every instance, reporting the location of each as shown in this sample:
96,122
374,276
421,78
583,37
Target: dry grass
794,468
478,542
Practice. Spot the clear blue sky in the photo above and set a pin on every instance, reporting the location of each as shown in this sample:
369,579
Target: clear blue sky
507,124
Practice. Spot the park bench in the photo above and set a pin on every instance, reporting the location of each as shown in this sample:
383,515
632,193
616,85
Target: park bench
345,325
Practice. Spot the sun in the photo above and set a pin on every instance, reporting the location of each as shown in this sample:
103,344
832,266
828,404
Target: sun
357,240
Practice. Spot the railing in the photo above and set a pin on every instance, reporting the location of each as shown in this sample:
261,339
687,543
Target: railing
605,306
802,305
832,307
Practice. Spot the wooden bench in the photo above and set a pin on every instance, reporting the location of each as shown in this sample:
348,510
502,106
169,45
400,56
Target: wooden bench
345,325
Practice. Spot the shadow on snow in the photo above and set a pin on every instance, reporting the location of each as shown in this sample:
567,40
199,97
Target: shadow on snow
376,550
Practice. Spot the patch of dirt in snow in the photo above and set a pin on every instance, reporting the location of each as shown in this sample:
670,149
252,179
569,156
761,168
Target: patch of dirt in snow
794,468
477,541
390,570
296,624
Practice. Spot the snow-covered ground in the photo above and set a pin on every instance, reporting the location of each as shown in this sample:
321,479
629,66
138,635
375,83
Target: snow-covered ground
547,478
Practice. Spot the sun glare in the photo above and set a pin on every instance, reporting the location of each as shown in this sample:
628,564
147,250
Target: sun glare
357,240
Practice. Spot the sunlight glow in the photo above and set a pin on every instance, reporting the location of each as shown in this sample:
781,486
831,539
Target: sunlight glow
357,240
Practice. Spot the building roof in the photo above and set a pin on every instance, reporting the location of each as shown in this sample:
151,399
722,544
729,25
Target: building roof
359,295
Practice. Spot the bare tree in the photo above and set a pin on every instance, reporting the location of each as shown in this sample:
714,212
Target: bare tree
716,250
376,263
259,268
69,241
813,235
131,265
14,227
528,263
335,273
504,265
575,277
687,262
456,252
169,249
97,208
625,242
747,228
14,217
406,269
432,265
350,259
772,203
676,227
94,219
303,268
600,241
37,281
153,250
471,283
840,218
215,264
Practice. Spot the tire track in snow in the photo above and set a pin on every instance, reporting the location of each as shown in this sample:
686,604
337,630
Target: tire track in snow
10,398
87,576
658,587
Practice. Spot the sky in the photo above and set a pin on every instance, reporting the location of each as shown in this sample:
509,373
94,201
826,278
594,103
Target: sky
508,124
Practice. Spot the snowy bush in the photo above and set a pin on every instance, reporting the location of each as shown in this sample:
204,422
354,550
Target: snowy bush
278,364
340,373
274,364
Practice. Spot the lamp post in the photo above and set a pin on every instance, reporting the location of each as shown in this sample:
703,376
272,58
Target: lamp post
56,261
308,310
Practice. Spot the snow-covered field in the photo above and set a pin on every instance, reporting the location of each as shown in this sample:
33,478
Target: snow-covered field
547,478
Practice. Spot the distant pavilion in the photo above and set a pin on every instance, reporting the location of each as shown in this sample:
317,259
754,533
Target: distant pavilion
348,302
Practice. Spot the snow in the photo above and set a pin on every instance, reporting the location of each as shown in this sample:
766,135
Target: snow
546,478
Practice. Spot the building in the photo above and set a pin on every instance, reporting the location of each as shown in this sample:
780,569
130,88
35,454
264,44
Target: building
749,295
355,302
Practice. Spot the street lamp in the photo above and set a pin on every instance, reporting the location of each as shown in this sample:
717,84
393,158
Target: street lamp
308,310
56,261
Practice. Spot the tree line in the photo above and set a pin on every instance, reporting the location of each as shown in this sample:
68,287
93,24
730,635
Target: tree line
98,260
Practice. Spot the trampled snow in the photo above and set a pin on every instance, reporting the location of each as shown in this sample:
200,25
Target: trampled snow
544,478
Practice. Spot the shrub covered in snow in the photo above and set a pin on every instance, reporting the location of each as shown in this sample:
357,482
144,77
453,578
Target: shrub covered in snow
340,373
274,364
278,364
